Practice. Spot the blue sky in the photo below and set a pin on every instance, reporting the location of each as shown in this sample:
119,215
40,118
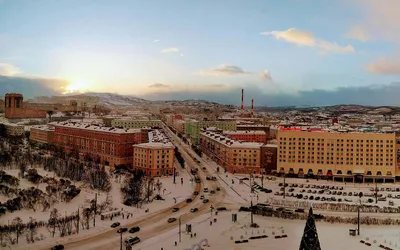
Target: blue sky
176,48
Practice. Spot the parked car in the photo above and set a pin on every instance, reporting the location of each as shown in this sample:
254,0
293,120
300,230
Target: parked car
58,247
175,209
115,224
188,200
317,198
299,210
122,230
221,208
212,192
244,209
172,219
218,189
202,197
134,229
206,200
205,190
195,193
193,210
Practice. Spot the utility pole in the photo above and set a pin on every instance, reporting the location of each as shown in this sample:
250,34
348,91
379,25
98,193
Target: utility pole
376,192
179,229
284,185
120,241
251,210
262,179
174,174
95,210
358,216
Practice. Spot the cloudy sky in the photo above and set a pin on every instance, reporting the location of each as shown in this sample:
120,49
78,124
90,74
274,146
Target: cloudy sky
286,52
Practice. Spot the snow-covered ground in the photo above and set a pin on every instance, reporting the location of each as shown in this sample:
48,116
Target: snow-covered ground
224,233
170,192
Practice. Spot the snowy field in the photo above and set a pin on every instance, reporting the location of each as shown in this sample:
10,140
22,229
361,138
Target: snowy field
224,233
170,192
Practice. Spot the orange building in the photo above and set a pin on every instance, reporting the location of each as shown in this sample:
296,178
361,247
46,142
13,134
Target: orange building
15,109
154,158
42,134
246,135
112,146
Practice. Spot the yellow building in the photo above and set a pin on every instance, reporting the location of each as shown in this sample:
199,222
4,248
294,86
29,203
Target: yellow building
346,156
135,123
234,156
14,129
154,158
42,134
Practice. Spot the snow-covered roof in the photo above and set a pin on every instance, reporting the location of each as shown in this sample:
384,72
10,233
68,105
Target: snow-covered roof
231,142
244,132
42,127
96,128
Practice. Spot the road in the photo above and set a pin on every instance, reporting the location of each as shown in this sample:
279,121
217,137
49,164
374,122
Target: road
156,223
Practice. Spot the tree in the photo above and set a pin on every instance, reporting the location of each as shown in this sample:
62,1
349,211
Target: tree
149,182
159,185
52,222
19,226
132,189
98,178
310,240
32,229
106,204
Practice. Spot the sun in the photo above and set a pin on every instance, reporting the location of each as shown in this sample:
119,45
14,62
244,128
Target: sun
76,86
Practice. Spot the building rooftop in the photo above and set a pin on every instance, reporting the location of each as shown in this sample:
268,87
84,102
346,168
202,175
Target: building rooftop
242,132
156,145
43,127
231,142
94,127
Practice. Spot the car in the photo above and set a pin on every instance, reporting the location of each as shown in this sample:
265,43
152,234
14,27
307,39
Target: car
58,247
134,229
122,230
193,210
172,219
221,208
299,196
244,179
208,178
280,184
218,189
276,193
311,197
115,224
299,210
175,209
188,200
195,193
213,178
317,198
244,209
267,190
212,192
321,191
205,190
390,196
305,197
132,240
202,197
206,200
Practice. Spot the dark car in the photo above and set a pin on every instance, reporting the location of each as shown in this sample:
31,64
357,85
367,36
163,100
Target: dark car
132,240
188,200
206,200
244,179
175,209
195,193
122,230
221,208
299,210
115,224
170,220
134,229
218,189
193,210
58,247
244,209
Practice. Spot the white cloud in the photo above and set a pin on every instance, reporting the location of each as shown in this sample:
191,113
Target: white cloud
8,69
158,85
224,70
384,66
170,50
266,75
358,33
306,38
156,41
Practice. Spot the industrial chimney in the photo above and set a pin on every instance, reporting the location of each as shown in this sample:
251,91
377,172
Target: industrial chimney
252,106
242,106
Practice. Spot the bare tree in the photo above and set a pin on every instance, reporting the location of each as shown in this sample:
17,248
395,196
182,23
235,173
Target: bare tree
98,178
86,216
159,186
105,204
132,189
32,229
52,223
62,226
149,182
19,227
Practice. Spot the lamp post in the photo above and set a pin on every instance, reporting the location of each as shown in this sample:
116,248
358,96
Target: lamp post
284,185
358,215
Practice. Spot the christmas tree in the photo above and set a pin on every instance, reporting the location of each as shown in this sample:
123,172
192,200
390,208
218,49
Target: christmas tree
310,240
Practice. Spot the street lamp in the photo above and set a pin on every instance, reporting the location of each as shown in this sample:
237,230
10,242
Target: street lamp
358,216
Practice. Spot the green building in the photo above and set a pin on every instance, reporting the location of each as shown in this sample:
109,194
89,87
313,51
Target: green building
193,128
135,123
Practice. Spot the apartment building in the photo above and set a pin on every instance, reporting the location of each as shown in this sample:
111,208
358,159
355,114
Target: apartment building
348,156
179,126
155,158
247,135
14,129
42,134
133,124
232,155
112,146
193,128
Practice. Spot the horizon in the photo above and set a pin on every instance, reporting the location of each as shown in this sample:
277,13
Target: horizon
345,53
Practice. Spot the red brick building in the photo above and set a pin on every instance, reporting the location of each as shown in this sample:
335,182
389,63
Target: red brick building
112,146
247,136
15,109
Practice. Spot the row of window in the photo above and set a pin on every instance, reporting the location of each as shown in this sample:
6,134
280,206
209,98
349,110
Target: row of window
337,140
313,161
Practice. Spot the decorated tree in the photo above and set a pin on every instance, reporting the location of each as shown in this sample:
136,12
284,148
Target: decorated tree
310,240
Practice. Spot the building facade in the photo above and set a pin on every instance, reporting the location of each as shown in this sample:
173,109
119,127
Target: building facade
269,157
135,123
233,156
15,109
193,128
247,135
42,134
154,159
14,129
346,156
112,146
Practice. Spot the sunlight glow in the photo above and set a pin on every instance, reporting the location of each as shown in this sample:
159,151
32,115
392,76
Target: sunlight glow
76,86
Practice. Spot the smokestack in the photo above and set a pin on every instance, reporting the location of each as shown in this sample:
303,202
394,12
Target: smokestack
252,106
242,106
